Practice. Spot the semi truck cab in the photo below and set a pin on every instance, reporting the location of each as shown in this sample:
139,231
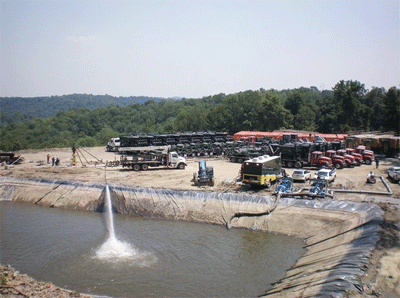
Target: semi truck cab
113,144
176,161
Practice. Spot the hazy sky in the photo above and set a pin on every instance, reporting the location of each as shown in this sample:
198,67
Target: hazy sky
195,48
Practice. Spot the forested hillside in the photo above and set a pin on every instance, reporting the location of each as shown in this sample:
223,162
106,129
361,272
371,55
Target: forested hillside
15,109
349,106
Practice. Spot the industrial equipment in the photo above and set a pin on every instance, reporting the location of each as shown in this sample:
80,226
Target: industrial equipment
263,170
205,175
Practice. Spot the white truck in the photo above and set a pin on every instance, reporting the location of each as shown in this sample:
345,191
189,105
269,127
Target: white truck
144,160
326,174
394,174
113,144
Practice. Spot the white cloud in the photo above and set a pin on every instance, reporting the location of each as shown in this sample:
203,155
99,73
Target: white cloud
82,38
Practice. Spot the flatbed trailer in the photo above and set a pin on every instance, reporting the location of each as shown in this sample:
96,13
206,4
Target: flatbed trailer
144,160
137,150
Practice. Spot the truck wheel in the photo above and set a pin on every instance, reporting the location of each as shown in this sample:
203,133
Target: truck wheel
240,160
212,181
181,166
136,167
338,166
145,167
297,165
368,162
290,164
195,181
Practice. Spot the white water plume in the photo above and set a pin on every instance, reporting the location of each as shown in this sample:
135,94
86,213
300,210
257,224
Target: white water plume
114,250
117,252
110,219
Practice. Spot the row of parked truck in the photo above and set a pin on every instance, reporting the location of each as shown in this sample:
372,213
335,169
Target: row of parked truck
169,139
298,156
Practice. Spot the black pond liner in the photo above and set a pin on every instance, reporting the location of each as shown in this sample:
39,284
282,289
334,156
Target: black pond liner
342,277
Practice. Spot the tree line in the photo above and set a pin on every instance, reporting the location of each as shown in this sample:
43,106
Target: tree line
16,109
347,107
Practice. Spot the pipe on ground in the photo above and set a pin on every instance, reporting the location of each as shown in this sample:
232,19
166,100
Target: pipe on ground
248,214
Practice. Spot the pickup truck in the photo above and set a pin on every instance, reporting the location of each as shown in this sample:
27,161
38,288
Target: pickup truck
394,174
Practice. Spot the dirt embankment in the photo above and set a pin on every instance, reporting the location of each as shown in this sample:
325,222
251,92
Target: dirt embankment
383,275
13,284
382,279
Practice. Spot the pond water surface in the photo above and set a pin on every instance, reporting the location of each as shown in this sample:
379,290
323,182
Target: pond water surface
149,257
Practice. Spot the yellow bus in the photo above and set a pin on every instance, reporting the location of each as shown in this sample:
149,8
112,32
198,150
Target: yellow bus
262,170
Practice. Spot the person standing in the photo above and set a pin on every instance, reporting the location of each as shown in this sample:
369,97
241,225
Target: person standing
53,160
48,158
74,155
377,162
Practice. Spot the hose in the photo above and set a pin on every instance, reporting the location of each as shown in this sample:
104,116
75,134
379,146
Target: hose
248,214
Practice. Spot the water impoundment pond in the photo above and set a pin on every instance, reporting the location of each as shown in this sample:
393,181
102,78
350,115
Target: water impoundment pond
148,257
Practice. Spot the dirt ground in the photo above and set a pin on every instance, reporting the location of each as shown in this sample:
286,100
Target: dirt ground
382,278
14,284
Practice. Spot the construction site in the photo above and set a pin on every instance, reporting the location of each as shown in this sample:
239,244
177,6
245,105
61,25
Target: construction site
350,223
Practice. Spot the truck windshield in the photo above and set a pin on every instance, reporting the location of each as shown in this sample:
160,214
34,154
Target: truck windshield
271,167
252,169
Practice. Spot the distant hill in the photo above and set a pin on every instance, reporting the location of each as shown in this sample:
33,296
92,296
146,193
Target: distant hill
26,108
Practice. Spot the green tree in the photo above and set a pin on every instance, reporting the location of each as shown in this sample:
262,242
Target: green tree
348,98
392,109
305,119
191,118
87,142
326,113
374,107
302,105
105,134
347,107
275,116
